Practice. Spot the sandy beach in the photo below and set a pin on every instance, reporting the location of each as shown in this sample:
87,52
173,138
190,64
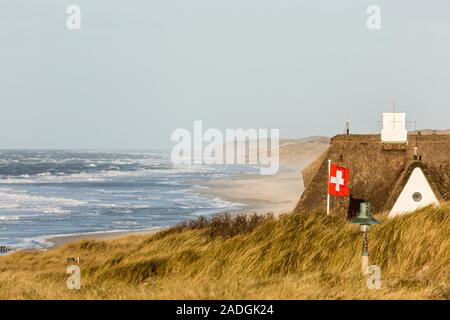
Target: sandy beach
277,193
257,193
260,194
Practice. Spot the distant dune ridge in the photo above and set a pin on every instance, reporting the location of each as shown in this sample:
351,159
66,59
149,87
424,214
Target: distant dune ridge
298,151
291,151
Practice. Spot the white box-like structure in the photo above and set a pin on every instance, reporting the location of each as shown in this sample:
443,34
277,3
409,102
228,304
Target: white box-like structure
394,128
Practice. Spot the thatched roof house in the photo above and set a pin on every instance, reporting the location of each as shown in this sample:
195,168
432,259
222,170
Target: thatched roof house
392,176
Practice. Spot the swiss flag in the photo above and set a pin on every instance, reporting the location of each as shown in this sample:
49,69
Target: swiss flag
338,181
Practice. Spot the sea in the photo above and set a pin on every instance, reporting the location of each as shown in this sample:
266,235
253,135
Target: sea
51,193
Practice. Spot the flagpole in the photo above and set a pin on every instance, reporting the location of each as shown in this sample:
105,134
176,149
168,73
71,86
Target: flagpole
328,193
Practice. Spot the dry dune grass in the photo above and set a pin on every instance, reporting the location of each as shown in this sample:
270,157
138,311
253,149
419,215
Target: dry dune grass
296,256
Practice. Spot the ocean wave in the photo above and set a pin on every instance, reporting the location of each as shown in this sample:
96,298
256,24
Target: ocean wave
21,200
101,176
10,218
220,203
25,164
60,177
32,243
56,167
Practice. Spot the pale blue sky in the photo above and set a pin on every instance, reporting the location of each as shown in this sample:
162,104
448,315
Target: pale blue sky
138,69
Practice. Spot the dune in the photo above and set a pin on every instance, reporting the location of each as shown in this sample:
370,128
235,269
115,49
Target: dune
305,255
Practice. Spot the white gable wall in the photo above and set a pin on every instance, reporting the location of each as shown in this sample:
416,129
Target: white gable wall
417,183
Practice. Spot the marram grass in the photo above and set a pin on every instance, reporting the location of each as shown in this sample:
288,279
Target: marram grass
295,256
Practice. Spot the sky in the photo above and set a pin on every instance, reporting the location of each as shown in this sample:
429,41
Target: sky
139,69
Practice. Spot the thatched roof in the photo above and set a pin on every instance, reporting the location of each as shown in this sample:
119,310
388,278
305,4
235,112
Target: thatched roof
378,171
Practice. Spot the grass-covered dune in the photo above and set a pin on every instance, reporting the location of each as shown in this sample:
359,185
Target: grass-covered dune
295,256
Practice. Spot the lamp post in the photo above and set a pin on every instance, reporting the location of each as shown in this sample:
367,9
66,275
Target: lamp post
365,220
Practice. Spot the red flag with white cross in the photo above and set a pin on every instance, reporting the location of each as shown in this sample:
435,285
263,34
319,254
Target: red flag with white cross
338,181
